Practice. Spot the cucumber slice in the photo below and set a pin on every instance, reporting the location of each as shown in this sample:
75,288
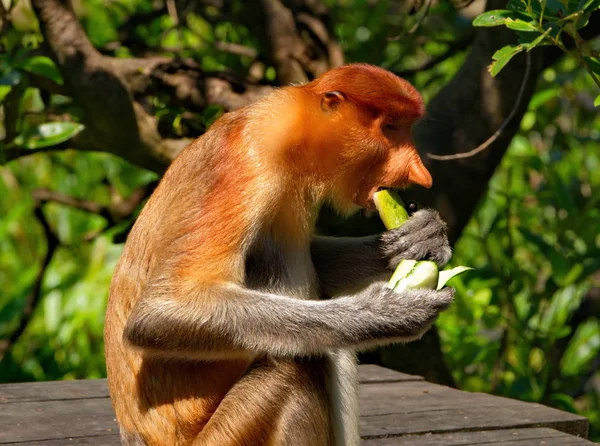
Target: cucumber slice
410,273
425,274
402,270
391,208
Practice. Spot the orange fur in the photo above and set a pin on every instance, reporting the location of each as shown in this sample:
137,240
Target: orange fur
266,168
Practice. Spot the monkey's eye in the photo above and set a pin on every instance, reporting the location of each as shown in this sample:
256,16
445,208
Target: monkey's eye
391,127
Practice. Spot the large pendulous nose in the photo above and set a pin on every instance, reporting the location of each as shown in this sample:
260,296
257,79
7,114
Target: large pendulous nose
418,174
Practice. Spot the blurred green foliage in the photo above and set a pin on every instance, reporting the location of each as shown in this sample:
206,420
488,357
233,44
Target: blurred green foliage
526,323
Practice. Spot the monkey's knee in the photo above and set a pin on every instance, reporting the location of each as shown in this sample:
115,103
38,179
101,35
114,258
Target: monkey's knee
131,439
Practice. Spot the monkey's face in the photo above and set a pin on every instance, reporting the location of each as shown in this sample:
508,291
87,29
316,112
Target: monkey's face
373,150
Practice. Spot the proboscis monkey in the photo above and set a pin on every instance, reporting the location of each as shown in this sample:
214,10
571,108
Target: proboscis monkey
229,322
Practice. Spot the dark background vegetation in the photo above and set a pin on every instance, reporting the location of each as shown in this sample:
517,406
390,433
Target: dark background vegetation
98,96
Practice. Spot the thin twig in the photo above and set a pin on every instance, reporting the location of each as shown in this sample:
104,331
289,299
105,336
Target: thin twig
498,132
172,9
416,26
236,48
455,47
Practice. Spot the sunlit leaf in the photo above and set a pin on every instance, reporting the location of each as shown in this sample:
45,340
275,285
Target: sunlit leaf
519,25
582,349
4,90
562,305
542,97
502,57
493,18
48,134
44,66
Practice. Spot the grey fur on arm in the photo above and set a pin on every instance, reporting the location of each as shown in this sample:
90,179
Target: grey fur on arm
229,321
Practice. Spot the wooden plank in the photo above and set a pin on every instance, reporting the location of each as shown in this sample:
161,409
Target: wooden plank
403,408
56,419
101,440
97,388
53,390
392,404
371,373
503,437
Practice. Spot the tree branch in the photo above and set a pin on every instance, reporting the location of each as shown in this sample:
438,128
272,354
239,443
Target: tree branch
118,210
498,132
295,37
114,122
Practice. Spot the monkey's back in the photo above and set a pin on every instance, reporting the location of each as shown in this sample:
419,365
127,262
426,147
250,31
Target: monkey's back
166,400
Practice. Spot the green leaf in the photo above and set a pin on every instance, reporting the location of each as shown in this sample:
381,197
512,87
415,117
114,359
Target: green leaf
519,25
507,51
562,305
539,40
493,18
593,63
583,347
448,274
542,97
502,57
44,66
597,101
48,134
588,4
560,265
4,90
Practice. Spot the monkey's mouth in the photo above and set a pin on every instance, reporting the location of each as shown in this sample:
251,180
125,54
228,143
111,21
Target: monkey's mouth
369,202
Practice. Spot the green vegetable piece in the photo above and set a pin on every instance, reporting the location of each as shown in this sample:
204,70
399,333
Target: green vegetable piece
391,208
425,274
448,274
410,273
403,269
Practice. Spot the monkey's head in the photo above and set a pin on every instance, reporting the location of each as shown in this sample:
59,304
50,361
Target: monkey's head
361,133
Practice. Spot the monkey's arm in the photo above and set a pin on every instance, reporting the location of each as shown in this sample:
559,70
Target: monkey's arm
228,321
348,263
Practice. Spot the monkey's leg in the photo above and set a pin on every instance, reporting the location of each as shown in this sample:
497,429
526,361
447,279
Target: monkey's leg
277,402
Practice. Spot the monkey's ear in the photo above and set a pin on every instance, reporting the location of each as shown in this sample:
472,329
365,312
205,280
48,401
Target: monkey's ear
332,100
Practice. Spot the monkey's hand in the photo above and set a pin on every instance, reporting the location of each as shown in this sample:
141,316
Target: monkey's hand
422,237
407,315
